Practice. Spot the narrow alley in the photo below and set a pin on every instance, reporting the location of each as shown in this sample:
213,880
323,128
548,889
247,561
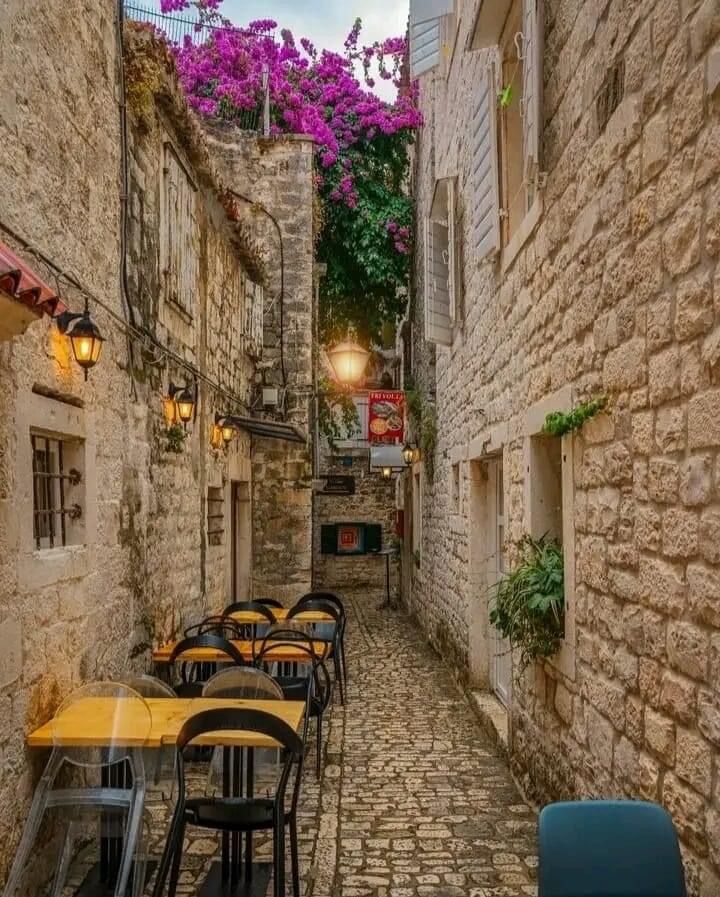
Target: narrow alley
422,803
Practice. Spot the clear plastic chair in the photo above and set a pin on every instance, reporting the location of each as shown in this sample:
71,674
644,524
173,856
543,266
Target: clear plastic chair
96,767
250,684
160,760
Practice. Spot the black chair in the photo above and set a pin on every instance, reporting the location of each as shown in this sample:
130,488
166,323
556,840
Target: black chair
314,687
269,602
235,814
194,674
252,630
326,632
217,624
333,599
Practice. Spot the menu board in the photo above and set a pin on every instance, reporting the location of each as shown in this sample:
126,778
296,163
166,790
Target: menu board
386,416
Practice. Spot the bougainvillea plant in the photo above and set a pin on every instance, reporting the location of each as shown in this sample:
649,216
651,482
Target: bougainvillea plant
361,146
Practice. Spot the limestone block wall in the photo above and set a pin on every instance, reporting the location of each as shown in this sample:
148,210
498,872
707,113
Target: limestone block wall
615,291
142,565
373,502
277,174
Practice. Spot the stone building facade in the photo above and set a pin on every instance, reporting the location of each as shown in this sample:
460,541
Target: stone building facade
166,530
571,250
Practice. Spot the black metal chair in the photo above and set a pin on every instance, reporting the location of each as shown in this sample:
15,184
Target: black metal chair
330,632
314,687
236,814
194,674
333,599
217,624
252,630
269,602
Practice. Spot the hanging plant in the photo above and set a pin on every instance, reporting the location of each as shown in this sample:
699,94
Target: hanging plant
175,437
528,602
558,423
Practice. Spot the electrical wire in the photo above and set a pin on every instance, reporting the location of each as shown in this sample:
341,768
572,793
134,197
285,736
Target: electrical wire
134,333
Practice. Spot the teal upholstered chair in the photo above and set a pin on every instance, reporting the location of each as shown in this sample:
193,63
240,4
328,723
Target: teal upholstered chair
608,848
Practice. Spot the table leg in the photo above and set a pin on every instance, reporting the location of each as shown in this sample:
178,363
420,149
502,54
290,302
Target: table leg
249,793
225,853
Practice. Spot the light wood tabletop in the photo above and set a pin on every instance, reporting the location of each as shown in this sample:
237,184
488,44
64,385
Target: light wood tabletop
284,652
280,614
99,722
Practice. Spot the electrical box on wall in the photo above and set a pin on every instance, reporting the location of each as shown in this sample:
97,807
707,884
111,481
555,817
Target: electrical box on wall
270,397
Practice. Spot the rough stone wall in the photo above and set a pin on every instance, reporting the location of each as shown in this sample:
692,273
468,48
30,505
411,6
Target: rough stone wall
144,564
615,291
277,174
373,502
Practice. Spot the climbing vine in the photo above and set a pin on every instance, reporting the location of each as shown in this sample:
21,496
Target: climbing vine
424,419
558,423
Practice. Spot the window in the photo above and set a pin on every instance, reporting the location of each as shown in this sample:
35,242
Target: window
426,33
507,119
441,264
56,493
417,511
546,500
215,515
357,436
179,240
350,538
456,492
254,299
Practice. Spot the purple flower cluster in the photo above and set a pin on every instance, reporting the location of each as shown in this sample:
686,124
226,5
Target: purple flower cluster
312,91
400,236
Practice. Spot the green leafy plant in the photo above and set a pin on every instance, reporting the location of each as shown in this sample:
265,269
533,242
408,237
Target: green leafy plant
337,414
175,437
423,417
528,602
558,423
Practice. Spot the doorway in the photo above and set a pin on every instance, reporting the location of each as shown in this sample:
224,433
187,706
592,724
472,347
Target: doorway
241,534
500,656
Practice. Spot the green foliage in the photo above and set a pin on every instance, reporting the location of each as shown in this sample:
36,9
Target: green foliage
175,437
337,414
367,274
557,423
529,601
424,420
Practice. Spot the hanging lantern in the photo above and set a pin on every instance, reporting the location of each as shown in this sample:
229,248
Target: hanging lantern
408,453
85,337
183,399
348,361
227,428
386,472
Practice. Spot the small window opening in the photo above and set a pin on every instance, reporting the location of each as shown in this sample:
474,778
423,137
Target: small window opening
56,500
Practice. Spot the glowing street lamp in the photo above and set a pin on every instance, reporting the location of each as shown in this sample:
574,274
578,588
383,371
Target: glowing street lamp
348,361
85,337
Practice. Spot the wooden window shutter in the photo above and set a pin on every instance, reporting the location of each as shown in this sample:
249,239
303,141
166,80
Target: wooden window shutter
438,326
532,93
425,34
373,537
328,538
454,251
484,174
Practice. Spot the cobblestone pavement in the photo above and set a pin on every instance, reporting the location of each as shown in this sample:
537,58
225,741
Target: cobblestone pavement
414,799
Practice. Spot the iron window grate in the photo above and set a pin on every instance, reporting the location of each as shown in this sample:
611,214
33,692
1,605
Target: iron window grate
50,479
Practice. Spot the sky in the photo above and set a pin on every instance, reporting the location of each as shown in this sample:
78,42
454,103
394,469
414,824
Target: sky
327,22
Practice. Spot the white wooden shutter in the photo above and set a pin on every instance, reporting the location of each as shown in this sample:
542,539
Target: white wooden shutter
425,34
451,250
179,258
438,326
532,92
484,174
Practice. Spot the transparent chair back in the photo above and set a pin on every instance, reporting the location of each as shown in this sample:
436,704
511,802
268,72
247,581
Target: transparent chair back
249,684
160,762
91,795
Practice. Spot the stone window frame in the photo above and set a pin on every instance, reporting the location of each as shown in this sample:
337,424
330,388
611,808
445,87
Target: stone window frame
532,424
457,458
60,420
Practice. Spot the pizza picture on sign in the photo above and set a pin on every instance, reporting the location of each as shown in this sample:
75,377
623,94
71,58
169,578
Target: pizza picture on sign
386,416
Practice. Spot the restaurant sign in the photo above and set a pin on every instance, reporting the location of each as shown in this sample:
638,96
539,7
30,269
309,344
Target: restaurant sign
386,416
339,485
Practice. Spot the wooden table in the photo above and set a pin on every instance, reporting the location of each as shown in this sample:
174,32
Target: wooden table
284,653
100,722
94,722
280,614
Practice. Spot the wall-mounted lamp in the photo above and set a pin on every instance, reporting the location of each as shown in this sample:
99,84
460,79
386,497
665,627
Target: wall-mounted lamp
179,405
226,427
408,453
386,472
85,337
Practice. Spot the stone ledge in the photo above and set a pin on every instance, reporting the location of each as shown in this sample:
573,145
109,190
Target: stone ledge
493,717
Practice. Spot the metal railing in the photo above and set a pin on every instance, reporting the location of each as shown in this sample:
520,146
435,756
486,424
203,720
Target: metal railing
175,30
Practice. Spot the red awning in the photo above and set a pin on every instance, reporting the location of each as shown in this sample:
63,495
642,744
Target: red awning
18,281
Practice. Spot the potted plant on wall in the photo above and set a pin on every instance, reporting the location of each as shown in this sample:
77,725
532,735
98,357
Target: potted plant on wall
528,603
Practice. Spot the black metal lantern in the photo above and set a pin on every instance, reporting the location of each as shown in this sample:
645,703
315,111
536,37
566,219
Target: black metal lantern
226,427
408,453
85,337
184,399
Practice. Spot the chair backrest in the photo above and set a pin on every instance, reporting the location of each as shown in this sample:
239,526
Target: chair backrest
245,682
217,624
207,641
269,602
224,719
318,685
315,604
323,596
608,848
112,720
150,686
253,606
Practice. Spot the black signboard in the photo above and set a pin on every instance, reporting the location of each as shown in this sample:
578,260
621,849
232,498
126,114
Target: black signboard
339,485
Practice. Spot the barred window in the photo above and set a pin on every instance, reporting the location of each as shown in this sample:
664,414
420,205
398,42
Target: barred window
56,491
